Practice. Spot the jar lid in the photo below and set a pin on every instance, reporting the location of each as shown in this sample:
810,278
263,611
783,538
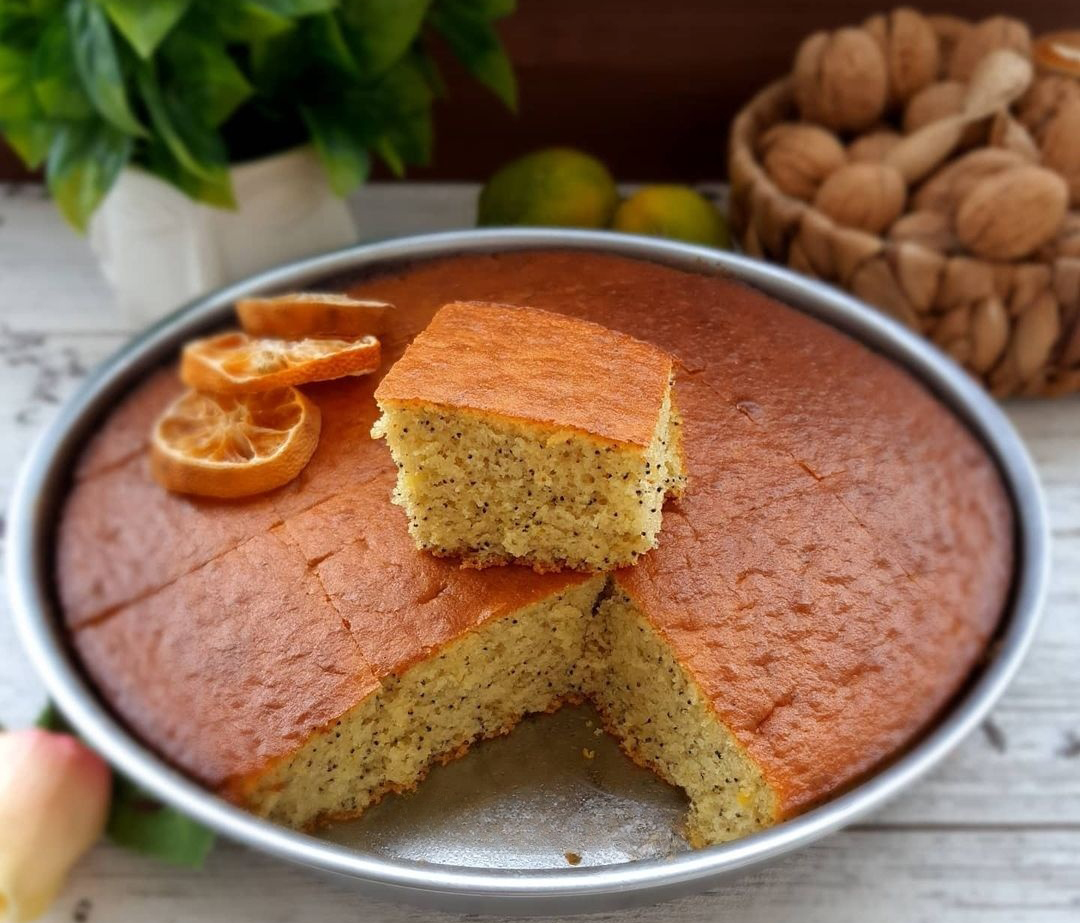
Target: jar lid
1059,52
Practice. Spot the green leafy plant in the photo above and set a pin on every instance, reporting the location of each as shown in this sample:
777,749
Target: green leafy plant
183,88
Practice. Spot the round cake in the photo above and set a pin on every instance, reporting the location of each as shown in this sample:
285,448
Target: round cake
839,558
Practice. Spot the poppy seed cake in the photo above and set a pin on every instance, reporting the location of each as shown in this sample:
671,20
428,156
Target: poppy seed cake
832,573
526,436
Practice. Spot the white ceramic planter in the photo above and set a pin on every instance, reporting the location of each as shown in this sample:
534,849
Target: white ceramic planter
158,248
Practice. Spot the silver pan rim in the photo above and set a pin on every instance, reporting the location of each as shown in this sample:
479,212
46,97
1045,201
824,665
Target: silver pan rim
43,481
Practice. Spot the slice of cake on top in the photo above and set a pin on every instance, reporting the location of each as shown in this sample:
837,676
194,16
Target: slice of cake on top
523,435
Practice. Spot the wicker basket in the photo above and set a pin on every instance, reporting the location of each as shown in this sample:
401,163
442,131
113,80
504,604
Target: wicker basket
1015,326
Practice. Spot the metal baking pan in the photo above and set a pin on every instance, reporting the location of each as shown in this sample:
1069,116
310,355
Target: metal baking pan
491,832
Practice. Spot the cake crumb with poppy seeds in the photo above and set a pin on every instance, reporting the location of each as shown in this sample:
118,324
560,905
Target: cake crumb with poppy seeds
511,428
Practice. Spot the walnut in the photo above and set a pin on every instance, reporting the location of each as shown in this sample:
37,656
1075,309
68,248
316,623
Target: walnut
910,47
868,196
874,146
989,35
944,189
1008,215
840,79
798,157
937,101
1061,146
949,31
1039,105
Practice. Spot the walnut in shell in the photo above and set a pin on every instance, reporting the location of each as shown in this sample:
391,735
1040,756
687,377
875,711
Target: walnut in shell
874,146
910,48
949,30
988,35
868,196
840,79
1039,105
943,191
1011,214
1061,146
798,157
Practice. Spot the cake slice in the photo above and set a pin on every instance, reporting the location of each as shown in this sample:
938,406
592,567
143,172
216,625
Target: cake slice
304,717
526,436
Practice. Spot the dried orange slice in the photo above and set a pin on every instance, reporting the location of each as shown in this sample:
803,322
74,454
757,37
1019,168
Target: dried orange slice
221,445
234,363
305,314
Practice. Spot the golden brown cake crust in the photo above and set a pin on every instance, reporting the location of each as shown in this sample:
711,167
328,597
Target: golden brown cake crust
231,666
840,557
534,366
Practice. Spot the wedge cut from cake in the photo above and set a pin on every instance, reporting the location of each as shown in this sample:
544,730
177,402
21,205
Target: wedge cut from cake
407,660
530,437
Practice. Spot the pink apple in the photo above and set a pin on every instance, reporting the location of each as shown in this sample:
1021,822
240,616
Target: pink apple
54,801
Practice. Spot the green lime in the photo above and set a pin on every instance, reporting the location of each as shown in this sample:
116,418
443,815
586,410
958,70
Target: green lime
557,187
672,211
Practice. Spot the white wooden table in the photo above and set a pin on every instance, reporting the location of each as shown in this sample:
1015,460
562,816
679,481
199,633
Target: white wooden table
993,835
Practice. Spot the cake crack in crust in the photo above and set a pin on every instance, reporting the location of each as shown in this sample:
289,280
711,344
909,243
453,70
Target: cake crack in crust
229,723
130,538
823,587
816,478
128,433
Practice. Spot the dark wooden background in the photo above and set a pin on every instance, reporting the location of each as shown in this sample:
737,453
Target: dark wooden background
648,85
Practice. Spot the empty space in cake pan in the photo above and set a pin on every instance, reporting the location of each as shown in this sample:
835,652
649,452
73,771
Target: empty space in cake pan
557,785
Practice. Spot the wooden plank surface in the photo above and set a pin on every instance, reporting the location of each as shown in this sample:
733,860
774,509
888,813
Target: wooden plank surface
993,834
